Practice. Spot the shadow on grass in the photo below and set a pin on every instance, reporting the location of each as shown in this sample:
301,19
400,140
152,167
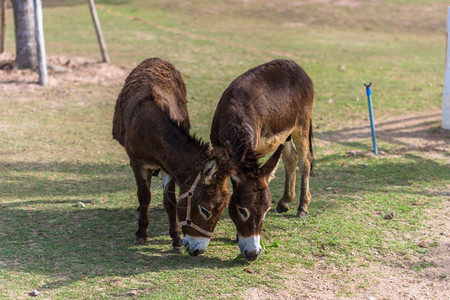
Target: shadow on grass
417,132
71,244
38,179
56,238
60,3
341,178
346,175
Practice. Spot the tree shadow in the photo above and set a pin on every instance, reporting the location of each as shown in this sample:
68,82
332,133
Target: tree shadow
22,82
59,3
378,175
37,179
72,244
341,180
419,132
58,239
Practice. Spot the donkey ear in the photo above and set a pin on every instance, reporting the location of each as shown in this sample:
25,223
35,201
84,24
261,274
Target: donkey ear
270,167
209,171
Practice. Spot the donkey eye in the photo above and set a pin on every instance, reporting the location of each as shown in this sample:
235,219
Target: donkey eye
243,212
204,212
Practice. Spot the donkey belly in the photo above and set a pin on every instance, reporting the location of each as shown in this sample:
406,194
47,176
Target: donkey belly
268,144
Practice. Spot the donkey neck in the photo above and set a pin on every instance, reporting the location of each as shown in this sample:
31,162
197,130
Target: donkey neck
242,132
184,154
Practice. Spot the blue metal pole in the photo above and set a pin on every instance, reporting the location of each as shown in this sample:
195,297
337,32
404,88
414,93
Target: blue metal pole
372,125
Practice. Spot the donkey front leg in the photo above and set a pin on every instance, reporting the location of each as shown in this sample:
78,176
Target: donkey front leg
290,159
143,182
170,205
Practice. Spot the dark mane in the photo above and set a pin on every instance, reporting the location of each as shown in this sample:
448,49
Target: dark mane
225,166
241,145
207,152
198,143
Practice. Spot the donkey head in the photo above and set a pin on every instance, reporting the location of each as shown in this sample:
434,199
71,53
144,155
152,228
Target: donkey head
250,202
209,198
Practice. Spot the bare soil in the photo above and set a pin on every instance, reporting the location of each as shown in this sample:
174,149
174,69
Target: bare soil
62,70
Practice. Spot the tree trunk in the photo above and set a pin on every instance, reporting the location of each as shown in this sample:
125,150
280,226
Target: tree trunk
3,30
24,24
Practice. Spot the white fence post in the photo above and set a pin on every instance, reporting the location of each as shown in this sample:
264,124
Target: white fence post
446,96
42,58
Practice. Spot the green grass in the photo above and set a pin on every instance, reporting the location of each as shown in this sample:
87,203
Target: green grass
422,265
56,147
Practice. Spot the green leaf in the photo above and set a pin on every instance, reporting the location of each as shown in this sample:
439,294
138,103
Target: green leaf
273,245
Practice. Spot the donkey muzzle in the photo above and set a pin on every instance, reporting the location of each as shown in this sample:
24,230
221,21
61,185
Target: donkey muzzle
251,255
196,245
196,252
250,247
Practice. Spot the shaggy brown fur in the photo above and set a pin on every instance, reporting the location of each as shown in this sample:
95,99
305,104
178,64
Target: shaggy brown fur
156,80
151,122
258,112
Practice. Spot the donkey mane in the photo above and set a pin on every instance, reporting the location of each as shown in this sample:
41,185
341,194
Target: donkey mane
192,139
207,151
243,154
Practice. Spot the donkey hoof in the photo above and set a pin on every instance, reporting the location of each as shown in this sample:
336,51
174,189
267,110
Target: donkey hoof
302,214
140,240
281,208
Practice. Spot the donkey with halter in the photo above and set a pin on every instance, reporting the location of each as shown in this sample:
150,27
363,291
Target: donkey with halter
151,122
264,108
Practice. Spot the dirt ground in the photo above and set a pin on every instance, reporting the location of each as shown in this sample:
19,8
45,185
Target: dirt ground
61,70
394,279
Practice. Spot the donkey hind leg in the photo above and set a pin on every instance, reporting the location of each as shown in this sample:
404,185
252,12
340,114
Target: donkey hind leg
170,205
301,140
143,182
290,159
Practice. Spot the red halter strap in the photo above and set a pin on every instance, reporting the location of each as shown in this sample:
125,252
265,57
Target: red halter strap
188,221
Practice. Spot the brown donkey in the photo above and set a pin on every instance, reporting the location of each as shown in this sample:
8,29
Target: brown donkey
151,122
264,108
